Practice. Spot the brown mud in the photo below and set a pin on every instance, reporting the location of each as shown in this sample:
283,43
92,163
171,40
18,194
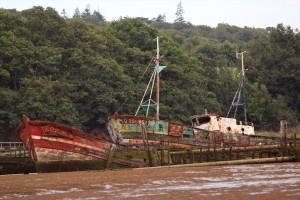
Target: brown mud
259,181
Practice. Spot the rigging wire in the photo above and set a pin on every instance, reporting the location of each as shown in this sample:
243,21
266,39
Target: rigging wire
138,83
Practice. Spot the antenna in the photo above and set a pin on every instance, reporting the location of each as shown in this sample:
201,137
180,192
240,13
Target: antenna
237,101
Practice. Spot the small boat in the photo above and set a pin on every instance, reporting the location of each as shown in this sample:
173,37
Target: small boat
55,147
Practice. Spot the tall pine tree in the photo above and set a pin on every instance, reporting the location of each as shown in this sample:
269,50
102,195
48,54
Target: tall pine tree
179,13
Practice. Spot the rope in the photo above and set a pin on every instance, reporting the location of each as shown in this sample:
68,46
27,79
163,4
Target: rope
134,89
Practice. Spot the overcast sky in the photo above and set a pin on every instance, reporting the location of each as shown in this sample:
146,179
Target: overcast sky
251,13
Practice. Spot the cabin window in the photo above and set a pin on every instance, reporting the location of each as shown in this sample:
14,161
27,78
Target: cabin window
187,136
160,127
228,129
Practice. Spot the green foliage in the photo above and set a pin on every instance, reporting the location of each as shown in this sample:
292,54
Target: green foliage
134,33
45,25
95,17
276,61
8,112
79,71
42,98
160,18
265,111
279,110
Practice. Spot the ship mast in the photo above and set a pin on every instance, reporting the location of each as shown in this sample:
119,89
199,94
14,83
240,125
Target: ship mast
157,79
154,79
241,91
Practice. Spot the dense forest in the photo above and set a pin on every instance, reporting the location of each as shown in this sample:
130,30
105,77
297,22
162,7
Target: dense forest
80,70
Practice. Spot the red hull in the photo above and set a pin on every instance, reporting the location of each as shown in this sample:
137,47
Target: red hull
56,147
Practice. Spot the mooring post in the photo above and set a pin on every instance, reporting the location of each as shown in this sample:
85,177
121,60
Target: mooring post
215,153
162,150
201,155
208,154
168,153
230,151
283,132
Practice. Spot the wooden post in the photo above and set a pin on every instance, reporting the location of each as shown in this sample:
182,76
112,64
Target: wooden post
249,140
201,158
223,154
253,154
190,155
230,156
238,155
215,154
261,151
208,154
168,153
162,153
283,131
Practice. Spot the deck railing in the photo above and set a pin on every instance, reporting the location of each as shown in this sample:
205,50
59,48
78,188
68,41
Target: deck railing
11,145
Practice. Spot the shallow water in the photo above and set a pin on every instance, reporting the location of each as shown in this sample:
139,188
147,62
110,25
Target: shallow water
261,181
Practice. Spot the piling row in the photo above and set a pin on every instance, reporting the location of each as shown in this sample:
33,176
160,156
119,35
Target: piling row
287,147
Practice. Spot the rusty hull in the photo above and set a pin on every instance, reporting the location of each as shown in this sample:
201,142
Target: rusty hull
131,128
56,147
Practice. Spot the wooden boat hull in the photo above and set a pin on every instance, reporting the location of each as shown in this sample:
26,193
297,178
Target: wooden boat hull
136,129
54,147
52,160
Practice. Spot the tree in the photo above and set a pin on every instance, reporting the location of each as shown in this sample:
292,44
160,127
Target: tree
160,18
134,33
86,12
275,60
179,13
258,100
64,14
77,13
96,18
279,110
99,16
9,118
266,112
52,101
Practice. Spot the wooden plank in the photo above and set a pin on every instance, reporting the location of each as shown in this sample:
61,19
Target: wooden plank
233,162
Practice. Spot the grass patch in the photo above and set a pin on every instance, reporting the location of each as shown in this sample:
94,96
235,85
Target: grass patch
267,133
290,132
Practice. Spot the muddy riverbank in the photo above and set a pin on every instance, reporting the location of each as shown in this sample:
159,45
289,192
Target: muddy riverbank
260,181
